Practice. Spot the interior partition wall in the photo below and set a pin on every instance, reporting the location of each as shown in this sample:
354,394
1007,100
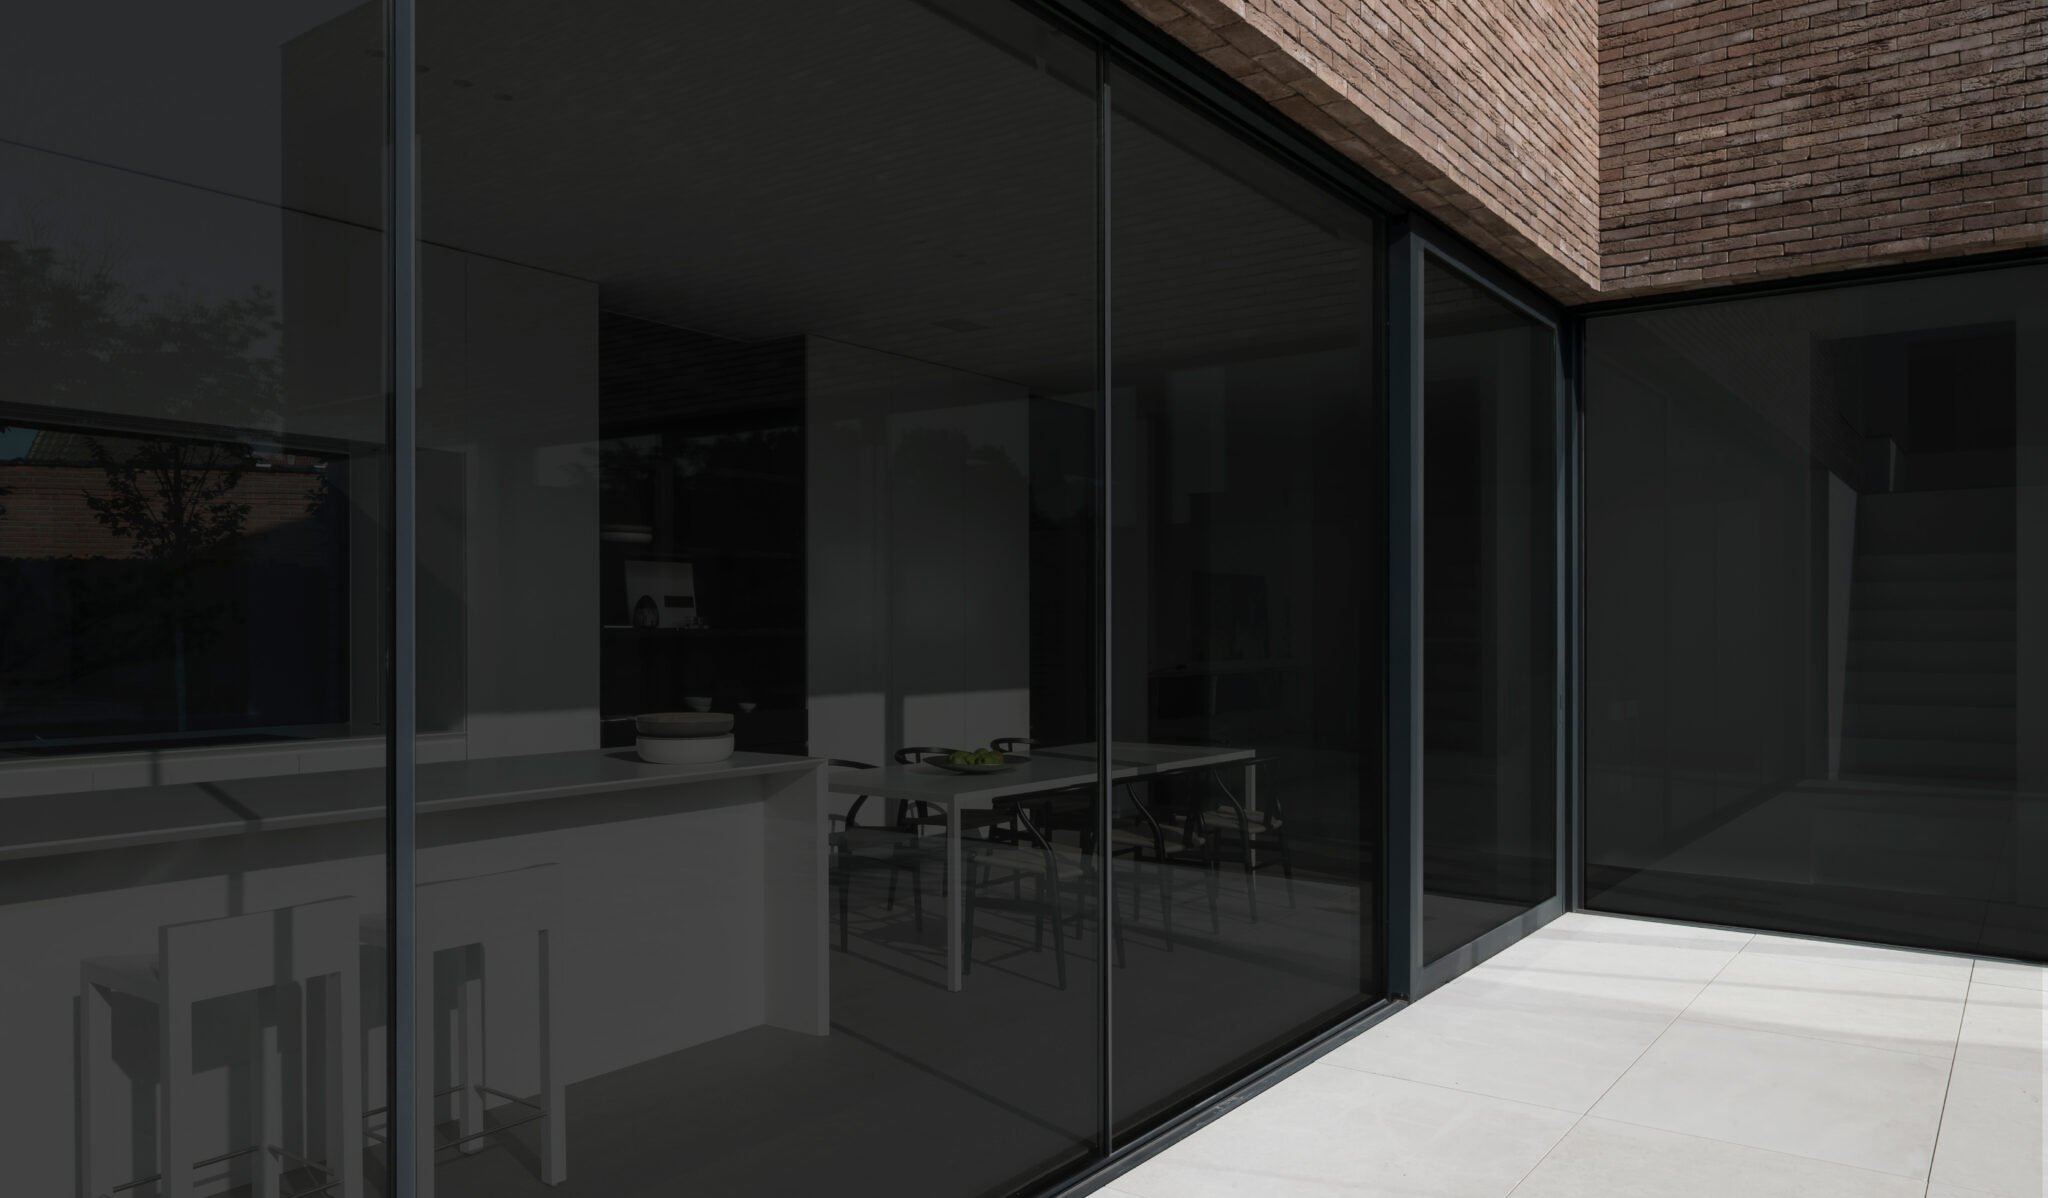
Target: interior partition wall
1816,539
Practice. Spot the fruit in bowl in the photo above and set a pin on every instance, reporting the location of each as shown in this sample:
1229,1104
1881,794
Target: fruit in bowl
976,757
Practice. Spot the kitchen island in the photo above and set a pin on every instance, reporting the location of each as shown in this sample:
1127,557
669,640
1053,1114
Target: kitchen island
691,906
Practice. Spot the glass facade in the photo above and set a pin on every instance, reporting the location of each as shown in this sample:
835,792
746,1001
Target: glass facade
1816,546
897,540
904,626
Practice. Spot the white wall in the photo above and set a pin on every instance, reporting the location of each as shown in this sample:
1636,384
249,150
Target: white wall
509,399
918,554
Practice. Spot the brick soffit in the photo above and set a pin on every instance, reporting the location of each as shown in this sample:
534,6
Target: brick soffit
1249,44
1552,229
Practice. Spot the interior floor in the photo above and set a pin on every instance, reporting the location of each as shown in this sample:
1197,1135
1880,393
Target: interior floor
988,1087
1941,865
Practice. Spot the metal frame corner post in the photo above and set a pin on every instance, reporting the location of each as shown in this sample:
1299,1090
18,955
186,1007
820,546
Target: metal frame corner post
401,236
1404,611
1105,629
1572,341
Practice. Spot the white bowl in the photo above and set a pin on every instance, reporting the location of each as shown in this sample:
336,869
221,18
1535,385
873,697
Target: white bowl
683,750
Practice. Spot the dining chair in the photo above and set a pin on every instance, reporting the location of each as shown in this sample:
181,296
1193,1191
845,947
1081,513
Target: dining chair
1053,871
1131,836
856,847
1055,814
1231,827
1136,832
924,815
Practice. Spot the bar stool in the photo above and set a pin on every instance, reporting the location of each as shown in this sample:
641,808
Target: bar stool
274,956
500,923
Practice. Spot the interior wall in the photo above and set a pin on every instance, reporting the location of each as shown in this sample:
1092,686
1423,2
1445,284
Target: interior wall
508,414
918,554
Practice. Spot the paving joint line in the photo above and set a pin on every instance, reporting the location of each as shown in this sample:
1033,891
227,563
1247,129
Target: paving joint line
1669,1024
1935,1149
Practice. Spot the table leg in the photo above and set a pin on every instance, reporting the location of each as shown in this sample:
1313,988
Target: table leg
955,902
1251,804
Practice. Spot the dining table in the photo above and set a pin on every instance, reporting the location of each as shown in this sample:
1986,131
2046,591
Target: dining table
1057,767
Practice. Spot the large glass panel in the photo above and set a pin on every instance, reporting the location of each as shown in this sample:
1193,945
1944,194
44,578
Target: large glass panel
756,469
1489,623
1246,570
193,573
1816,587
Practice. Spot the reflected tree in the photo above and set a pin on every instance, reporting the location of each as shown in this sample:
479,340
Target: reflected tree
176,502
74,337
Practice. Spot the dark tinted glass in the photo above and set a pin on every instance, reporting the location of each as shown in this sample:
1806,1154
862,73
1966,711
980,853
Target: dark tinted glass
760,353
1245,572
1817,569
193,563
1489,732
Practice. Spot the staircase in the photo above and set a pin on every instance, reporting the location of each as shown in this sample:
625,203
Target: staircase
1932,638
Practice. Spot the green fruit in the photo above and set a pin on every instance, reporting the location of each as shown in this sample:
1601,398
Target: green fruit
962,757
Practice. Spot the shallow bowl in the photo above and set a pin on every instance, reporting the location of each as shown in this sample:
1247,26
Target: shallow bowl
683,723
684,750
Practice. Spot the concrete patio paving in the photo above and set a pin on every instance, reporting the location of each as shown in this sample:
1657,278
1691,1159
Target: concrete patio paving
1610,1056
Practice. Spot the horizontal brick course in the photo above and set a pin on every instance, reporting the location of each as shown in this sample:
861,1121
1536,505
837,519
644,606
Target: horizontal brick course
1604,147
1903,123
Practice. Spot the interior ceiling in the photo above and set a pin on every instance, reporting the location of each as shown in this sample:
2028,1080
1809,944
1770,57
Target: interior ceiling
871,172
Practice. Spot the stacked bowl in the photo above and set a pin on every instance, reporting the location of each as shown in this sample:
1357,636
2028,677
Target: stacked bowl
683,737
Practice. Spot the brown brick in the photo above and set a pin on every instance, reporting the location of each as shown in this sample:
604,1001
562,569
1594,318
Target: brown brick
1632,145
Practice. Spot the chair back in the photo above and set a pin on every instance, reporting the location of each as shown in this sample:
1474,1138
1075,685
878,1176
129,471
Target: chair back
912,754
852,811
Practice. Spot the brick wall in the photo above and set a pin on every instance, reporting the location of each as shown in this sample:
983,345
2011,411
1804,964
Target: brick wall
1760,140
1483,112
1609,147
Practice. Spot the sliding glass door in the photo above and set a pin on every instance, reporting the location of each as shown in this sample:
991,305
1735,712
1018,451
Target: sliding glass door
1487,653
757,457
1245,564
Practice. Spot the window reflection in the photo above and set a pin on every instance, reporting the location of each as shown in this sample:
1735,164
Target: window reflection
167,591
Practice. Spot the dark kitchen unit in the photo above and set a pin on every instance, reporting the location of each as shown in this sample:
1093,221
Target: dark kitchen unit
701,513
